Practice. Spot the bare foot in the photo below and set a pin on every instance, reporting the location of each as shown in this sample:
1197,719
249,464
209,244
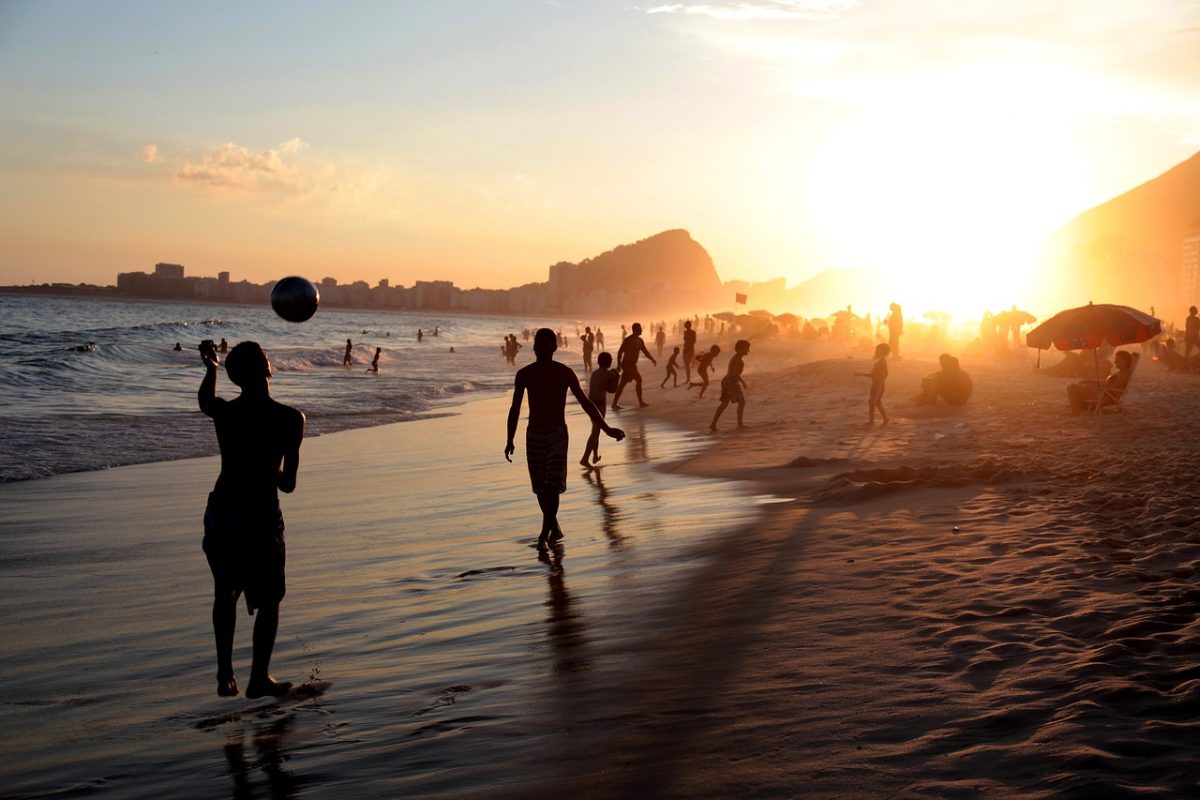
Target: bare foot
227,687
596,458
616,407
743,427
643,405
268,688
712,428
555,536
583,462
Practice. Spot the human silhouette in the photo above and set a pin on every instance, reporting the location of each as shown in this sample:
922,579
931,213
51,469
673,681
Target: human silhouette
259,440
672,369
375,361
346,359
600,384
732,385
224,346
895,326
546,442
703,364
689,350
660,339
878,376
588,342
420,334
599,338
1191,333
627,356
178,347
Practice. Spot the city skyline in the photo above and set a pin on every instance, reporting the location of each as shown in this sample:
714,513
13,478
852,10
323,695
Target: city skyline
411,142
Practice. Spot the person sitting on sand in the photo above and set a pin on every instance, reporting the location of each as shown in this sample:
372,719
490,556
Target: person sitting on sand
375,361
950,382
1086,396
346,360
672,370
547,382
601,383
1172,359
627,356
878,376
703,364
259,440
732,385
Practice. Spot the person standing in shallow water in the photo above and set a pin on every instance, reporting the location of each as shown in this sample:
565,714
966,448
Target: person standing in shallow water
346,360
547,382
259,440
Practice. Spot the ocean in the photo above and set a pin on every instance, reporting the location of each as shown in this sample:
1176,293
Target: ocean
91,383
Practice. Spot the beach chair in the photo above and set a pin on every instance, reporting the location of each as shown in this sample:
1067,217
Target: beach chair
1111,399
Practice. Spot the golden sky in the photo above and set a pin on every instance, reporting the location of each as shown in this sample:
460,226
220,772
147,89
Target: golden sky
933,141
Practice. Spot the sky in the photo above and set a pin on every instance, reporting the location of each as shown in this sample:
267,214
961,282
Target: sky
936,141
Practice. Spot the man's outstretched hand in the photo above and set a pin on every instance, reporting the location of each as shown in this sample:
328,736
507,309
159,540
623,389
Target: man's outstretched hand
617,434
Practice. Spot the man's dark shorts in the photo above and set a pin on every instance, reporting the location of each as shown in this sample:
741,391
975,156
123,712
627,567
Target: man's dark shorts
246,552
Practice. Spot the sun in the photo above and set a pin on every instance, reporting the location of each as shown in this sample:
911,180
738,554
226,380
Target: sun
950,208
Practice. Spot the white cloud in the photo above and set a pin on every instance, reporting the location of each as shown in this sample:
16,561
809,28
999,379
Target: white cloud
758,9
237,167
151,155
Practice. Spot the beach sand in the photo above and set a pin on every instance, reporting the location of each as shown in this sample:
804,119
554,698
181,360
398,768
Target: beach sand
991,601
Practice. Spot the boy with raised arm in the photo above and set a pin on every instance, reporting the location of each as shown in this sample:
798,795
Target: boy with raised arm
243,526
547,382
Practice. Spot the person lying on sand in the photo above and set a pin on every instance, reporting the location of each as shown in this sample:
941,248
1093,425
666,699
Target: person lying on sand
547,382
259,440
1086,396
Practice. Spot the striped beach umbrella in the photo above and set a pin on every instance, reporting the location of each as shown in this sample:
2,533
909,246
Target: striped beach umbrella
1089,326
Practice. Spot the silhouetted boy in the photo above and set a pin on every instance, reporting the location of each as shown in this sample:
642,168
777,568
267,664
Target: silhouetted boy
703,364
375,361
547,382
601,382
243,526
672,371
627,356
346,360
689,350
732,384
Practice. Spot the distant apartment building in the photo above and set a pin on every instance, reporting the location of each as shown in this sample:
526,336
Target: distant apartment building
168,271
1189,270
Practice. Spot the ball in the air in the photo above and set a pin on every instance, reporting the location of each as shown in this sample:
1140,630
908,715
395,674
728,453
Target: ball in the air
295,299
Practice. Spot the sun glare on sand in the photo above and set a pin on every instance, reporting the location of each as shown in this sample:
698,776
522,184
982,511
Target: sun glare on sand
949,209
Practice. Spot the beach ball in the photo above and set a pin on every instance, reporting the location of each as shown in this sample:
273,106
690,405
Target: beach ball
295,299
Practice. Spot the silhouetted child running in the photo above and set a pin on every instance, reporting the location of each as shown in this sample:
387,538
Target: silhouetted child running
732,384
375,361
878,376
243,526
672,370
602,382
703,364
547,382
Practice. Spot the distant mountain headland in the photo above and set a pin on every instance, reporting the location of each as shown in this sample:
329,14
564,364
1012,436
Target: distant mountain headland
1141,248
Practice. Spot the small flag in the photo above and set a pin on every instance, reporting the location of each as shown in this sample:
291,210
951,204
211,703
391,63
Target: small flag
739,298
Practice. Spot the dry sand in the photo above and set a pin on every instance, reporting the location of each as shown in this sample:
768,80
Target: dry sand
991,601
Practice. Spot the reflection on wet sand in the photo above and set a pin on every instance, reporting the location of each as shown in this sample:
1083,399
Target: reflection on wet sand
565,622
270,759
610,514
637,450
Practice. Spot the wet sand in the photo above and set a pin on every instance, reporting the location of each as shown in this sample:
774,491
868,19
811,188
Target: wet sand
440,655
991,601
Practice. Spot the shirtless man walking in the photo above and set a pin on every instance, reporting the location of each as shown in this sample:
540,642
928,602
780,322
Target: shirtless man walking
243,526
627,357
547,382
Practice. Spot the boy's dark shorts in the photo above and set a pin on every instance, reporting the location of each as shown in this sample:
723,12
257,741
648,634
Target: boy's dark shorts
246,553
546,454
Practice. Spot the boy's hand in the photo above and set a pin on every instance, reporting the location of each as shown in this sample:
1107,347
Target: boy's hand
616,433
210,358
509,449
